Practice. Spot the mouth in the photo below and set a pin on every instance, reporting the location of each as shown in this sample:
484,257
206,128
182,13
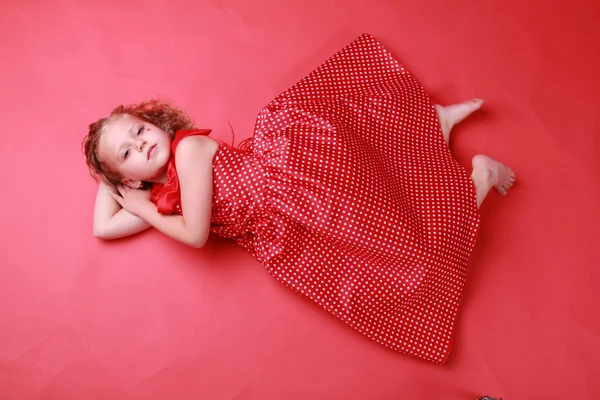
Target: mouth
151,151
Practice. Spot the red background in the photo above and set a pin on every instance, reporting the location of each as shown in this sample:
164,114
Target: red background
148,318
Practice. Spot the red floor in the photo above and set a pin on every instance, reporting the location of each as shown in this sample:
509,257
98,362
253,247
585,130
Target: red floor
147,318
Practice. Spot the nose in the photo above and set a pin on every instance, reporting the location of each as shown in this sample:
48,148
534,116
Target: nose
140,144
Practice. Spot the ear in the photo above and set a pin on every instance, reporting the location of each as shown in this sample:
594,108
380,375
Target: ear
133,184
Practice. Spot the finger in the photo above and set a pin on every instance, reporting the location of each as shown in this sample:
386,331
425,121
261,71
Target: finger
121,190
117,198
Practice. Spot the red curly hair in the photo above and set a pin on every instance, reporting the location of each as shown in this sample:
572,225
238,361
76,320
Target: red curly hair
159,113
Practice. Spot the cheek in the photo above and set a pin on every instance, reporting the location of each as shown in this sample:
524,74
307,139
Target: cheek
165,141
165,157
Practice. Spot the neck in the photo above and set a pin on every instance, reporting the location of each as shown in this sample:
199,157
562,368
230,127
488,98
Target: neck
162,178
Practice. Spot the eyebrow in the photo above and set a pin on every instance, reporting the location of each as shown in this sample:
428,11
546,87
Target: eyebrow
120,148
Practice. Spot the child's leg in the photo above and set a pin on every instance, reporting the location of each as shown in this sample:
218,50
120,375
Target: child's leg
487,173
453,114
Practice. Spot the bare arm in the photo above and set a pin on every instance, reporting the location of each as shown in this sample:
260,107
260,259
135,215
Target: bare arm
110,220
194,167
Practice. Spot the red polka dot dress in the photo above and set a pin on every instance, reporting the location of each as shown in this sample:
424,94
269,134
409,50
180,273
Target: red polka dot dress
348,194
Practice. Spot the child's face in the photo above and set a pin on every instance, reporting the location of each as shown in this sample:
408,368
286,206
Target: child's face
139,151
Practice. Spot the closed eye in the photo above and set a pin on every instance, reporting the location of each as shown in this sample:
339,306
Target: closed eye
140,130
126,154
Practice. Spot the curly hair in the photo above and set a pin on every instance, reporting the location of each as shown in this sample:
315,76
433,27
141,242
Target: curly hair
159,113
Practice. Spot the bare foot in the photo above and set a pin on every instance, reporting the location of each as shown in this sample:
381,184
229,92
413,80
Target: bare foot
453,114
488,173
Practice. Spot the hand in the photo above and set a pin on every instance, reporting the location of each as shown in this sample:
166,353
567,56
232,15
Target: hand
132,200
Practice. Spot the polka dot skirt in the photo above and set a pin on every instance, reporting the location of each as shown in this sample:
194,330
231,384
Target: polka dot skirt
348,194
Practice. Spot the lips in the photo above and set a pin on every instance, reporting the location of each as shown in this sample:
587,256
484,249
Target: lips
151,151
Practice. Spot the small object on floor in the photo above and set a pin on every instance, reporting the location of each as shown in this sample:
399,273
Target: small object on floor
489,398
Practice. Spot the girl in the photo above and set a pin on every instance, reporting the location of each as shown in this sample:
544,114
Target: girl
347,193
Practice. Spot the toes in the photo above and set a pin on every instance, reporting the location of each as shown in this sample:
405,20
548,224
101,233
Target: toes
455,113
512,179
501,190
474,104
477,102
506,186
